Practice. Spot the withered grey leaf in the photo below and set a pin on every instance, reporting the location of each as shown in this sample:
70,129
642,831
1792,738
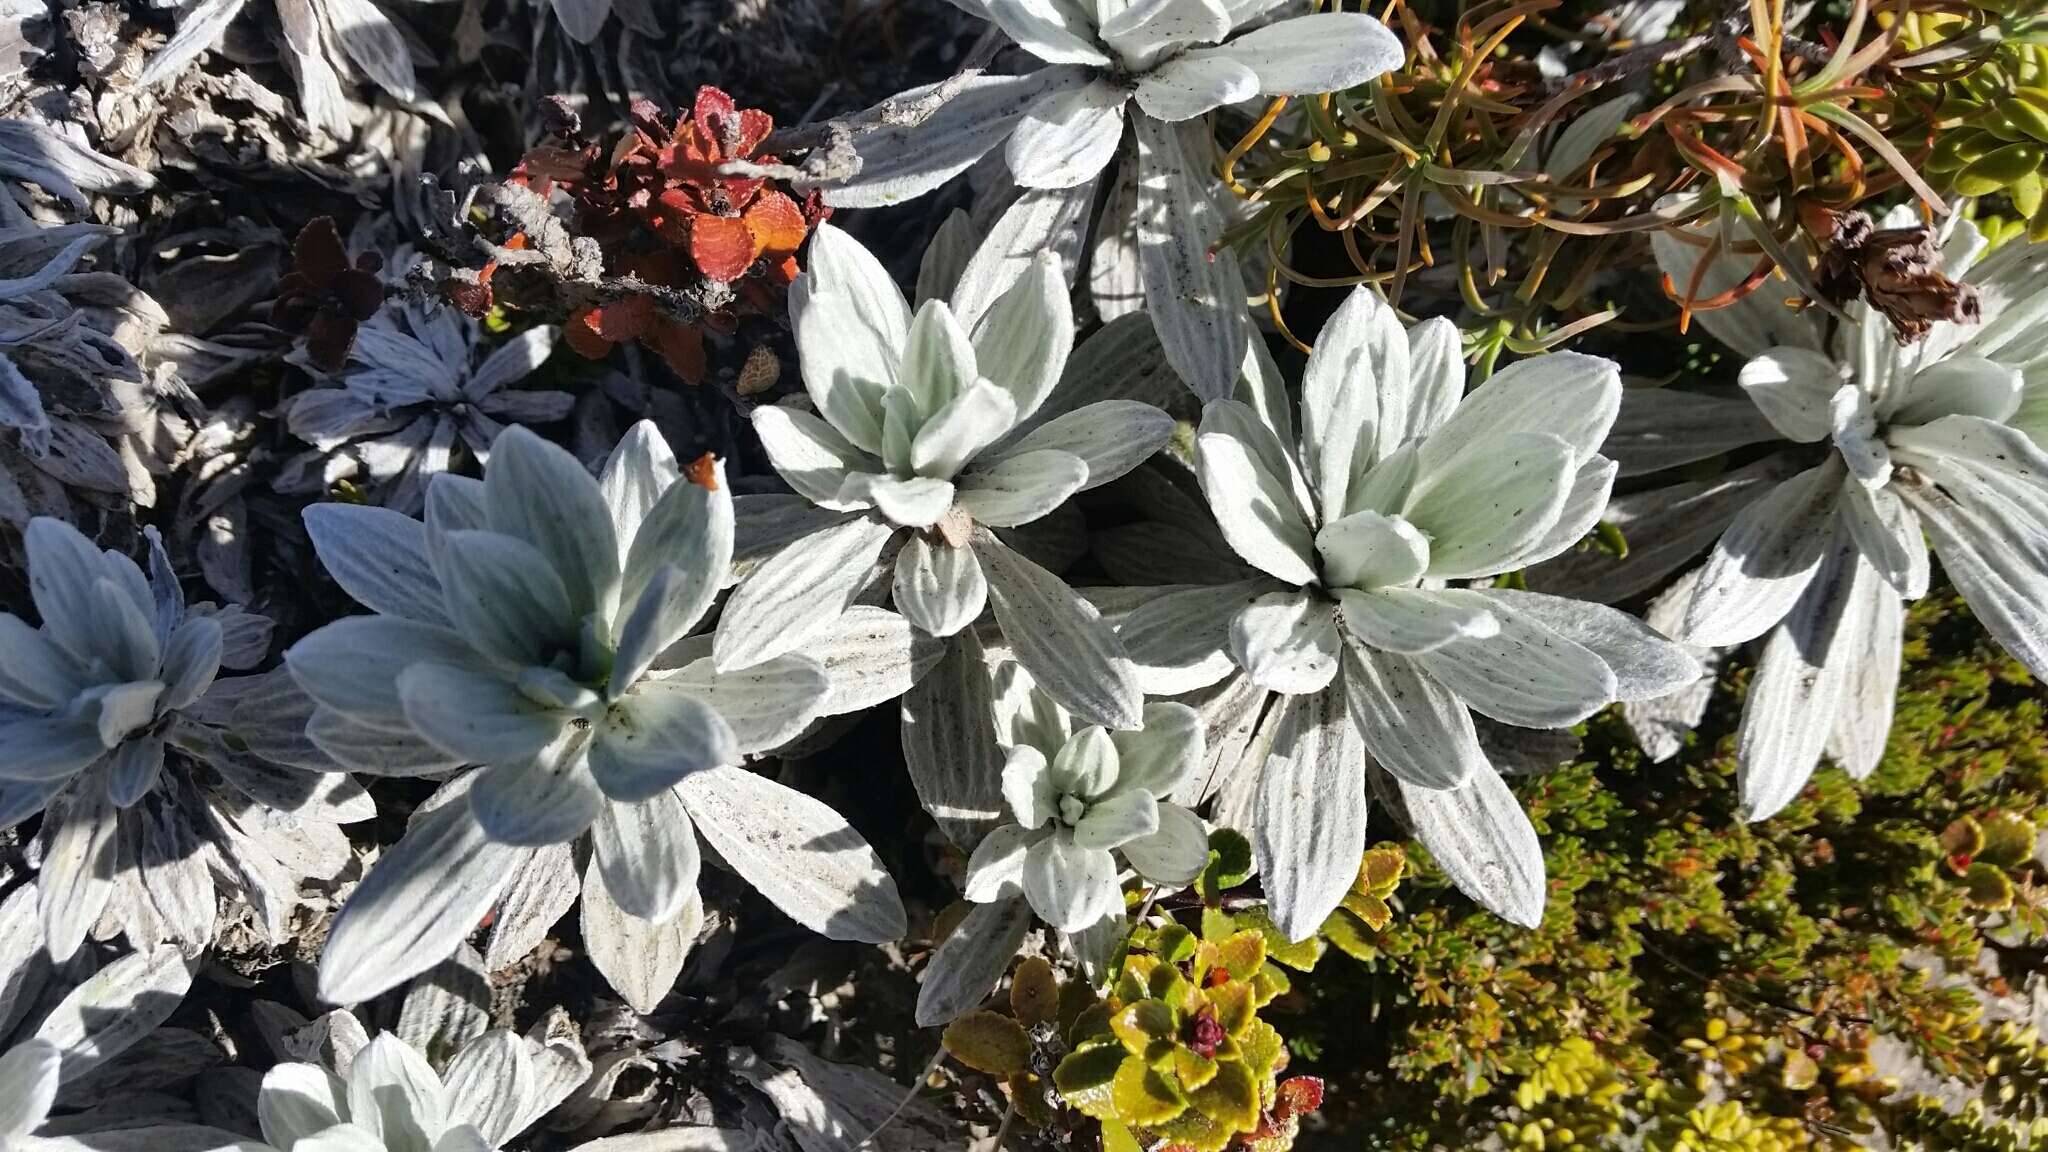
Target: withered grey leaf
200,28
373,41
447,1006
43,154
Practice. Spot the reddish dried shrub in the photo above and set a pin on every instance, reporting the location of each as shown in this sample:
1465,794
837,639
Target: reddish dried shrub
661,211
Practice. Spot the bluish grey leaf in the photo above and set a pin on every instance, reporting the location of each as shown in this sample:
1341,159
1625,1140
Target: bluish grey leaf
378,557
655,737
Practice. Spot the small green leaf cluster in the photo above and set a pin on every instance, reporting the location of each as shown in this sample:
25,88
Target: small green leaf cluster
1016,1047
1993,134
1177,1047
1174,1050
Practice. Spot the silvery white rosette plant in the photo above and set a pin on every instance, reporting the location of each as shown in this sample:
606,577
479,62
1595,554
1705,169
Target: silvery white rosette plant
387,1097
412,395
1877,446
118,732
1081,796
67,1048
1396,489
925,438
1064,122
523,628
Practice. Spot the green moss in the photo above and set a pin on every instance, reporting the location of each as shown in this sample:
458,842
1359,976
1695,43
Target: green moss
1699,983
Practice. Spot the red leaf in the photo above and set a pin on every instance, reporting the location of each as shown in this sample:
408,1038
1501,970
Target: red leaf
471,297
582,334
703,472
1297,1095
318,254
755,125
645,115
723,248
562,164
359,292
328,339
712,106
296,303
731,132
681,346
670,215
626,318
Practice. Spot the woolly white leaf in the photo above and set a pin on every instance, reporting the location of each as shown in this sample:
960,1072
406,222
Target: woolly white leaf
1796,691
1252,500
903,161
1413,620
797,852
969,962
765,705
1321,52
1412,726
1021,488
1792,387
1041,233
1111,437
950,751
1195,295
1524,674
1059,638
1189,85
796,594
1481,838
938,588
1067,136
639,958
1177,638
656,736
116,1007
415,907
1765,560
1311,813
647,855
1286,641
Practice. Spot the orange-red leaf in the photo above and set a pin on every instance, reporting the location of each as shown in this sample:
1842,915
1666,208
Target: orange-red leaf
723,247
777,224
623,319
